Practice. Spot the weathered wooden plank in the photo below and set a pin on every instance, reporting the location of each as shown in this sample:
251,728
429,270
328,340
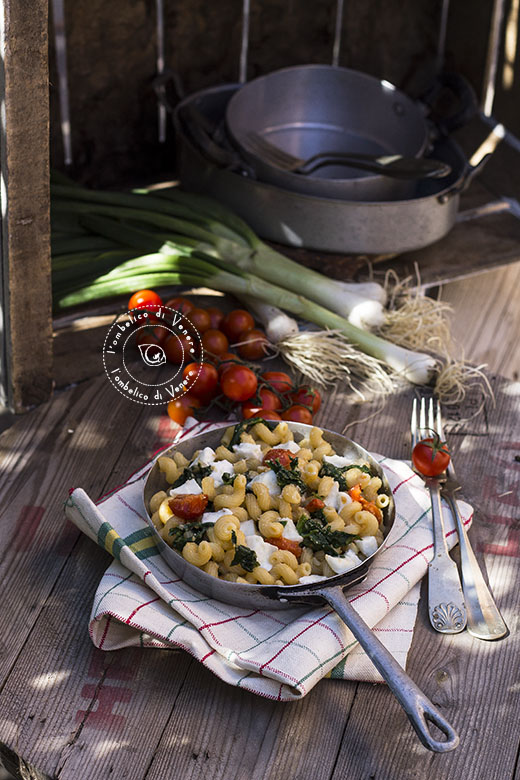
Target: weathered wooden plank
72,431
239,735
24,152
486,318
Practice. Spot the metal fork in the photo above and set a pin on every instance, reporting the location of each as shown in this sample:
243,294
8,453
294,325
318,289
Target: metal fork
446,607
393,165
484,618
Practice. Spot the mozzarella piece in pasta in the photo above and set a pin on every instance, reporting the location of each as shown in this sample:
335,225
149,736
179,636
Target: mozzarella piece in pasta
248,450
268,478
289,445
263,550
310,578
205,457
289,531
212,517
367,545
248,528
218,469
341,564
337,460
190,487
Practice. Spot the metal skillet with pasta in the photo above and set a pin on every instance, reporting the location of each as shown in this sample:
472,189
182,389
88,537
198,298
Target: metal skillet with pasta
271,507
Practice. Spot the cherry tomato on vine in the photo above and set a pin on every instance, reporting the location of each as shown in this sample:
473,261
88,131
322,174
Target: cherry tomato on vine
254,344
215,342
151,335
238,383
145,299
200,319
431,456
181,304
178,348
202,379
216,316
267,401
278,380
236,323
181,408
268,414
307,396
226,360
297,413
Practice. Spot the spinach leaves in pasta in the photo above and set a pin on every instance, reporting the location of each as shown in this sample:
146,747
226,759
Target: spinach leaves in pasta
319,536
338,473
244,556
246,426
188,532
288,475
196,472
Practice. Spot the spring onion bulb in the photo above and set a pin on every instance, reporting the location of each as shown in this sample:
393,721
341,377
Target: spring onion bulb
277,324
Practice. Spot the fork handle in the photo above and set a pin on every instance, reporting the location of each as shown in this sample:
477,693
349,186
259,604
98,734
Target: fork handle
484,618
446,606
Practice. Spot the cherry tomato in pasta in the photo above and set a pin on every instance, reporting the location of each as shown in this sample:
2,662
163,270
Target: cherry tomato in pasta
281,456
188,506
286,544
314,504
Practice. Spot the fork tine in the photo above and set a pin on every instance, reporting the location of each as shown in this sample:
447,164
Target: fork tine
413,423
431,414
422,418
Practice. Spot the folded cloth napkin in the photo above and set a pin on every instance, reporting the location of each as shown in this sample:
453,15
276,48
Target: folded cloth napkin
279,654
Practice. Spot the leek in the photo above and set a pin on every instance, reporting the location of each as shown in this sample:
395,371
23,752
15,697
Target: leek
195,216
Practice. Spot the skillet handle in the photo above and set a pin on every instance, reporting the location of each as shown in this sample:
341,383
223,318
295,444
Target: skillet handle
417,706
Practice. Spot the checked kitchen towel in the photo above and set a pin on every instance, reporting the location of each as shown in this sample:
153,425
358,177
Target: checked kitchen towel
279,654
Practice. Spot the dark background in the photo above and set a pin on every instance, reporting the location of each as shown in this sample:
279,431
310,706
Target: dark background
111,63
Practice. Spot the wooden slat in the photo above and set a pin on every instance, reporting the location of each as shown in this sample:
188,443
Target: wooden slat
25,204
70,434
486,318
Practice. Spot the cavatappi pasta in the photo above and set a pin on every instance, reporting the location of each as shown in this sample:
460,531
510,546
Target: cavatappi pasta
265,509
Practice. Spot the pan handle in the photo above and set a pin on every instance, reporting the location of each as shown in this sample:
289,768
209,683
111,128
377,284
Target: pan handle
417,706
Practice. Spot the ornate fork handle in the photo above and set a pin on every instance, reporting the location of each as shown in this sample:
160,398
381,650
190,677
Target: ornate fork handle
484,618
446,606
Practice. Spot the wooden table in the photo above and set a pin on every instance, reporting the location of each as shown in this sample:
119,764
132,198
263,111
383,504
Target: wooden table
70,711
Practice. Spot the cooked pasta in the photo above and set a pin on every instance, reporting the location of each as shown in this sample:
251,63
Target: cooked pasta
259,512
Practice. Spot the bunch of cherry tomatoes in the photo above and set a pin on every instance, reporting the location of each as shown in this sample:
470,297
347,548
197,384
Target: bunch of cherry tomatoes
224,379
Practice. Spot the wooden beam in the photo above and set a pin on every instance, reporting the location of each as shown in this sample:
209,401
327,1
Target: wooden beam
24,160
